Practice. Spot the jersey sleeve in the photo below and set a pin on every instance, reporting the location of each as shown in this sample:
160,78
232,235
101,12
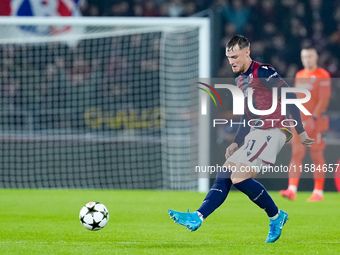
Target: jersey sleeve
269,77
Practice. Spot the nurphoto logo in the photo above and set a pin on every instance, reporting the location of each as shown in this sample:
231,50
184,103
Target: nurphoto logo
239,97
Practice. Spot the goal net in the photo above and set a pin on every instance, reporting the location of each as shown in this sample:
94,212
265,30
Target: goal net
104,103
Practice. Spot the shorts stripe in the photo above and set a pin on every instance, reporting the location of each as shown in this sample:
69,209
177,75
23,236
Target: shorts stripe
259,152
268,163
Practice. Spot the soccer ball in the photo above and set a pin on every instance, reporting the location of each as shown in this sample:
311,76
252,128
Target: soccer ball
94,216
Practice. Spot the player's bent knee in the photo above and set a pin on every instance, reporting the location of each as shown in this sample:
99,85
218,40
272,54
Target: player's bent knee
243,172
229,165
238,180
240,177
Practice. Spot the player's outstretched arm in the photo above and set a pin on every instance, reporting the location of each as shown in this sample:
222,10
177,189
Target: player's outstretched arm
305,139
231,149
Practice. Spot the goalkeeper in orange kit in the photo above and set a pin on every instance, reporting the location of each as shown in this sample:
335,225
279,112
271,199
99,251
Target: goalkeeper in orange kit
317,81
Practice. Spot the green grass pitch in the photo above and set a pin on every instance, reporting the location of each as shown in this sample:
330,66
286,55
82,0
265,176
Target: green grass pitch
46,222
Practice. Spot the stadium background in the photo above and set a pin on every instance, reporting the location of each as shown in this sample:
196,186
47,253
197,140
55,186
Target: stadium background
277,31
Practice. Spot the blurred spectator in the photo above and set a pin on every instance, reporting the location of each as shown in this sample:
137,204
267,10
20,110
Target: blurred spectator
138,10
120,8
335,36
10,91
176,8
316,9
190,8
229,31
80,71
292,69
280,64
252,28
88,9
322,11
164,10
334,41
269,30
268,11
236,13
297,34
277,28
257,50
150,9
318,36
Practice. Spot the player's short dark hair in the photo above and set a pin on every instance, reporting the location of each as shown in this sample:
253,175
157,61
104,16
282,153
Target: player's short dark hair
309,46
239,40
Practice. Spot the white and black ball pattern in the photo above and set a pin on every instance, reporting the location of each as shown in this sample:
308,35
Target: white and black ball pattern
94,216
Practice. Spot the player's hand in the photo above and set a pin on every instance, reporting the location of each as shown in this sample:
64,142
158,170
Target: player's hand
230,150
305,139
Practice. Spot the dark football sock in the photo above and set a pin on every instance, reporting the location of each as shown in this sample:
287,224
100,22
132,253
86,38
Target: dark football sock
259,195
217,194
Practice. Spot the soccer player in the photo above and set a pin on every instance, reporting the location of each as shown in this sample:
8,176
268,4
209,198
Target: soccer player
317,81
260,145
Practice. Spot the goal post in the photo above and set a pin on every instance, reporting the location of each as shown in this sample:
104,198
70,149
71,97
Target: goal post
101,102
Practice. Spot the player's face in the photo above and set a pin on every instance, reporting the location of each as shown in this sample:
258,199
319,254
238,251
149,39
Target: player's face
238,58
309,58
